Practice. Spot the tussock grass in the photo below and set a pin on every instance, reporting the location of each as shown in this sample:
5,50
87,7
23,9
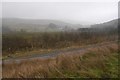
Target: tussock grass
99,62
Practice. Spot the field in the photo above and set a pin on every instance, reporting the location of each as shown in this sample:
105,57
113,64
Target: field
99,62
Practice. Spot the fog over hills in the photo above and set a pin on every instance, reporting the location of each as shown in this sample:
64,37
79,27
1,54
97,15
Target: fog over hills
109,24
56,16
76,12
46,25
36,25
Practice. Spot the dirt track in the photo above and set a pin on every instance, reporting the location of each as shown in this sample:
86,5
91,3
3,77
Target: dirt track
56,53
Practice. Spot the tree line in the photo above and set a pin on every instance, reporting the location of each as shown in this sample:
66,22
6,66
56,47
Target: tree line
27,41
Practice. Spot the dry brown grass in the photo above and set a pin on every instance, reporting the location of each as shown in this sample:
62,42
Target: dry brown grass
63,65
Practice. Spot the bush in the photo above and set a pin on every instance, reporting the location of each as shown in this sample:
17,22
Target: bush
28,41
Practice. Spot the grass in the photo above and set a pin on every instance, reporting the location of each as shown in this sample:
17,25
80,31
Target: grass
26,53
37,51
21,54
98,62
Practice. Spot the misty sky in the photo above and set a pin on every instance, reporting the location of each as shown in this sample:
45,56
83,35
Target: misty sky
74,12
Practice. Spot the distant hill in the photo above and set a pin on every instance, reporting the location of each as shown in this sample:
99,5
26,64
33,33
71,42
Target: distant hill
37,25
103,27
45,25
110,24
